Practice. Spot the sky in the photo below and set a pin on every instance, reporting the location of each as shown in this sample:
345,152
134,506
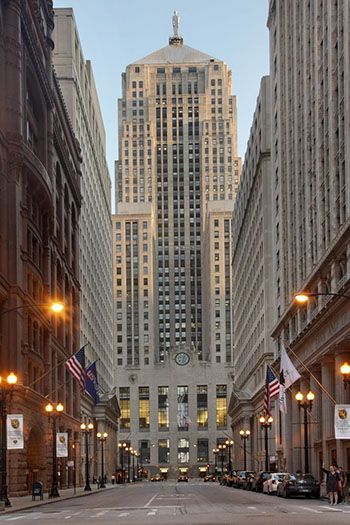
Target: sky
115,33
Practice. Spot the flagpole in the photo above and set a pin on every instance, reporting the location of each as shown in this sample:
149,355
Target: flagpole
311,374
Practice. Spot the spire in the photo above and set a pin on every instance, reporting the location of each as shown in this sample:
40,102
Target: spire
176,39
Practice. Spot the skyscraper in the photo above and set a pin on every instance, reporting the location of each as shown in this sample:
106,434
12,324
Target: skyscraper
176,179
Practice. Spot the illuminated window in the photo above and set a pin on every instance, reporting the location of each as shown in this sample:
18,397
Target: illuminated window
163,451
202,407
221,406
124,402
144,408
183,450
163,408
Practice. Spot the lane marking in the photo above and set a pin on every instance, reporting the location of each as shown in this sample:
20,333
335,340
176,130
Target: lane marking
310,509
253,508
150,501
151,513
123,514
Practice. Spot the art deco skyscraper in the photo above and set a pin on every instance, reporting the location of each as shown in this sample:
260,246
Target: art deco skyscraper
176,179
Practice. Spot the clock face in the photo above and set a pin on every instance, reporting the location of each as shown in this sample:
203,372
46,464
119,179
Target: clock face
182,358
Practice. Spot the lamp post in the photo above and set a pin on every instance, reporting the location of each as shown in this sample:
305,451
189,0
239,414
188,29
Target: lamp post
127,450
345,372
229,443
133,453
306,405
265,422
11,380
54,411
244,435
55,307
102,438
122,447
215,451
304,297
86,429
222,448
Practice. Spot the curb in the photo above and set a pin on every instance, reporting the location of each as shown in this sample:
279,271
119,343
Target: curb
41,503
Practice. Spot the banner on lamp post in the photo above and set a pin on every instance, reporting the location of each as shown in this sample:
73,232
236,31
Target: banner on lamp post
62,444
342,421
14,431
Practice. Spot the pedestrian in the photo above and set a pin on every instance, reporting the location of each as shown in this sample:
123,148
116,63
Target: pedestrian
344,477
333,483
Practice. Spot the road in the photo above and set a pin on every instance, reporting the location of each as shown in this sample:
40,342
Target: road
170,503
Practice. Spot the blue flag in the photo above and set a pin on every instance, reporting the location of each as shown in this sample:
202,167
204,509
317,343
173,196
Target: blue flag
91,383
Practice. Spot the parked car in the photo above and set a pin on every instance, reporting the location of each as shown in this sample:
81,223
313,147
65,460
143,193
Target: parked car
248,480
230,478
257,482
156,478
241,478
270,485
182,477
299,485
210,477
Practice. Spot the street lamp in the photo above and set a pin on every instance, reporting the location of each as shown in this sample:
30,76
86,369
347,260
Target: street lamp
122,447
86,429
265,422
229,443
304,297
345,372
306,405
56,307
215,451
11,380
245,435
222,449
127,450
102,438
133,453
54,411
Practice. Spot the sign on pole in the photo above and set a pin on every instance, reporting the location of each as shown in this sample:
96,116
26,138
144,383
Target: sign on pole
15,431
62,444
342,421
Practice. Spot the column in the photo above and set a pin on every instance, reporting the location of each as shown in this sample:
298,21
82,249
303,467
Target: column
327,376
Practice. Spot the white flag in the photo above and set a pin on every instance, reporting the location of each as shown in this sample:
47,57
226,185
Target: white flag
14,431
290,373
282,397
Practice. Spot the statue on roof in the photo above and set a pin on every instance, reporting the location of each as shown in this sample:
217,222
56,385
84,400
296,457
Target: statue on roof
176,23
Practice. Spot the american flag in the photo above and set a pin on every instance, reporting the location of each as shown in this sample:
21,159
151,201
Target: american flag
272,387
76,366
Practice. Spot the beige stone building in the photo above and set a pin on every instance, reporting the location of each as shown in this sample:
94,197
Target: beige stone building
176,179
310,74
253,288
77,83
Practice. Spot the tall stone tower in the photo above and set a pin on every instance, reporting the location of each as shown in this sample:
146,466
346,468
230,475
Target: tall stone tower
176,179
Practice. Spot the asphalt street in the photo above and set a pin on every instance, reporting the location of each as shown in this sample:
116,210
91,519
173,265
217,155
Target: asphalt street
168,503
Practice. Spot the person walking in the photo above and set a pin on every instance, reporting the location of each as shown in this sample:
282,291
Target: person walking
333,484
344,478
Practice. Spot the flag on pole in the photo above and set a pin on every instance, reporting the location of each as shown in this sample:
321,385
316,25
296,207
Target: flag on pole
91,382
282,395
76,366
272,387
290,373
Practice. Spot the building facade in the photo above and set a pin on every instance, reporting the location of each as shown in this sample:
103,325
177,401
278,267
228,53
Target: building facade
39,243
310,73
176,179
253,288
77,83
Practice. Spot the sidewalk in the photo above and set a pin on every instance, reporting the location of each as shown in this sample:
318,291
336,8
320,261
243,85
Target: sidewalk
25,502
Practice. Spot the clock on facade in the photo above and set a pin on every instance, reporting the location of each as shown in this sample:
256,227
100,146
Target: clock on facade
182,358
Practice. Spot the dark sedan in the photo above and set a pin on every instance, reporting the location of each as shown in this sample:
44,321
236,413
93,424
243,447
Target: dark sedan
257,482
299,485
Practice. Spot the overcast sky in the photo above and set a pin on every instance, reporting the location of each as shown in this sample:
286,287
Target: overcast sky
115,33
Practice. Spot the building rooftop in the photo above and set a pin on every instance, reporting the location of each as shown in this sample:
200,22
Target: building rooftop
176,53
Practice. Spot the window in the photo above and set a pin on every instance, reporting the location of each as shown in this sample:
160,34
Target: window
145,451
183,450
202,407
124,402
144,408
163,408
163,451
221,406
202,450
182,408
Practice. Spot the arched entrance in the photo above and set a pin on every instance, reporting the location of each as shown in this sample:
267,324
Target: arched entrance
36,461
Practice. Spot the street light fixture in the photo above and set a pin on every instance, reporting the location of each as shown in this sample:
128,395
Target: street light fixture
222,448
265,422
11,380
303,297
305,405
122,447
54,411
215,451
345,372
102,438
229,443
56,307
244,435
86,429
